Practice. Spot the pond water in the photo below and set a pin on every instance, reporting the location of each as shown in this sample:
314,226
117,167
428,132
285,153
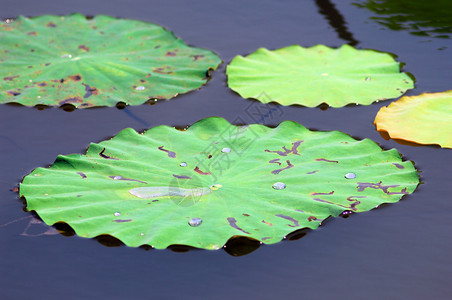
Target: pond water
398,251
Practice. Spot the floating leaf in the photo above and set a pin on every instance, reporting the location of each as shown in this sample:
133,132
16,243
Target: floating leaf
101,61
423,119
214,181
316,75
419,17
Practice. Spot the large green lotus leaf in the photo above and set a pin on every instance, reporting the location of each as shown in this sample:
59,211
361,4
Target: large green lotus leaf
419,17
202,186
423,119
316,75
101,61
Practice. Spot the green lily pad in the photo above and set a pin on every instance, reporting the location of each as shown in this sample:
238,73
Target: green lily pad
214,181
316,75
54,60
419,17
422,119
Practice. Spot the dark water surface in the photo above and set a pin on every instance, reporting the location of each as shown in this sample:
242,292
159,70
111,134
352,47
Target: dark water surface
399,251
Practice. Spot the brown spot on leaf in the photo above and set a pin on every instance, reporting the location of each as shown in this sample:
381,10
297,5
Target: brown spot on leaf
122,220
6,27
181,176
101,154
126,179
313,172
353,205
268,223
233,224
32,33
327,160
161,70
169,53
275,161
43,83
13,93
312,218
84,48
76,77
47,64
82,174
148,75
246,215
379,186
399,166
197,170
90,91
170,153
51,24
10,78
197,57
330,193
293,150
277,171
295,222
70,101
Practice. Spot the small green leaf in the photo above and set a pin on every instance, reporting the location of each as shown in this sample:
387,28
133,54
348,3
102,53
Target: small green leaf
101,61
423,119
316,75
214,181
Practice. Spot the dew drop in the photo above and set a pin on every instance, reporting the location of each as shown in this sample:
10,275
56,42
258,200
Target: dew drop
226,150
30,80
141,234
140,88
66,55
350,175
39,96
279,186
183,164
117,177
367,78
195,222
117,214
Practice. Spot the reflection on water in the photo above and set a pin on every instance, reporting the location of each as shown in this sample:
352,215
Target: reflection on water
419,17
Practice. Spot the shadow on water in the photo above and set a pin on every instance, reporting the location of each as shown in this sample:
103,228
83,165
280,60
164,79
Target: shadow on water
336,20
419,17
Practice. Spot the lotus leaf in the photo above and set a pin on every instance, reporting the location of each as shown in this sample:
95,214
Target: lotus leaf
96,61
213,181
423,119
316,75
419,17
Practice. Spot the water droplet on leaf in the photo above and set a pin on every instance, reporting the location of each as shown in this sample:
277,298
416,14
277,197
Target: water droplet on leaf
367,78
117,214
350,175
195,222
117,177
226,150
183,164
140,88
279,186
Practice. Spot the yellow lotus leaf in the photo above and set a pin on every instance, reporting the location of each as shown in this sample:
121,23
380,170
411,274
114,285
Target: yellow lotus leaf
423,119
